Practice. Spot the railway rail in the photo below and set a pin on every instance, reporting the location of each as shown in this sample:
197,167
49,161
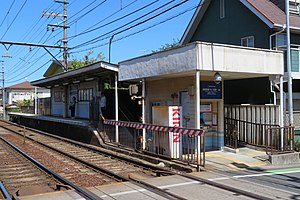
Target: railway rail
123,168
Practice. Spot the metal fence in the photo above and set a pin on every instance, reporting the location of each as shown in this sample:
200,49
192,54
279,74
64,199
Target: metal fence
187,145
280,140
248,124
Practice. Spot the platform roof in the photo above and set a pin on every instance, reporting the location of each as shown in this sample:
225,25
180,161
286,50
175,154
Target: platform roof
95,70
233,62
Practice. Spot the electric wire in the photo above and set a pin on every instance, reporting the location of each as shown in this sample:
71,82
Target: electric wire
91,29
133,26
14,18
142,30
7,13
105,17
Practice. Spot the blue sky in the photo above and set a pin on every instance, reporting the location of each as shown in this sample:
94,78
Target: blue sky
22,21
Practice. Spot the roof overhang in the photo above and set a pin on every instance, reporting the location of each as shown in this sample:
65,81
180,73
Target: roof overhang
95,70
233,62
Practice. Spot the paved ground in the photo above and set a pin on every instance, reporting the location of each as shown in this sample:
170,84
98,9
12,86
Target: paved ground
216,163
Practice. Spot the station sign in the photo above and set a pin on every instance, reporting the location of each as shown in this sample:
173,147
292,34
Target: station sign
211,90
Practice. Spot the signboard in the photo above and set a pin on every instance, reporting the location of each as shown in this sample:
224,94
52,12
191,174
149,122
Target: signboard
175,120
211,90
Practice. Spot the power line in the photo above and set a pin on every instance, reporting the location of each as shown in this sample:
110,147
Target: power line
142,30
14,18
105,17
78,18
30,73
135,25
113,21
7,13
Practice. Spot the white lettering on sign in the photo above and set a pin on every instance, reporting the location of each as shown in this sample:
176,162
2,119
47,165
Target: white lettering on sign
176,123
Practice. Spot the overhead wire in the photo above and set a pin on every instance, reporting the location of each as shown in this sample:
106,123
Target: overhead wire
91,29
142,30
107,16
7,13
132,26
14,18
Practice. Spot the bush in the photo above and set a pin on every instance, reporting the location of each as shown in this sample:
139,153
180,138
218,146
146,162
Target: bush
297,145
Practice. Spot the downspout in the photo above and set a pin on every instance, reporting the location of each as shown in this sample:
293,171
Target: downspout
272,91
270,37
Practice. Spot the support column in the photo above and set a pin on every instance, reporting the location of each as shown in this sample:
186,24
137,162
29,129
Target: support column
117,106
143,113
197,118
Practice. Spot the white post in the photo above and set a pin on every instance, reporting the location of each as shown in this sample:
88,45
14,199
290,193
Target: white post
281,111
117,106
35,101
198,116
143,113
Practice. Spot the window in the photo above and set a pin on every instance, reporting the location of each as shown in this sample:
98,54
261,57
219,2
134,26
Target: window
222,9
58,96
247,41
294,7
280,40
85,94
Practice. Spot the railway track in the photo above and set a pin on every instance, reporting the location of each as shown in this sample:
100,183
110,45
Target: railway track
19,175
123,168
60,156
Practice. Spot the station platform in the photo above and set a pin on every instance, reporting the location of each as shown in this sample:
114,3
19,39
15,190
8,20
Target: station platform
80,130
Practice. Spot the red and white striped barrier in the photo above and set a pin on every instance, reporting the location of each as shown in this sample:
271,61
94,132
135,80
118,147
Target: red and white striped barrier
136,125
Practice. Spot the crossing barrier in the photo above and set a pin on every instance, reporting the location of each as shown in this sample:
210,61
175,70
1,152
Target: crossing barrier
178,143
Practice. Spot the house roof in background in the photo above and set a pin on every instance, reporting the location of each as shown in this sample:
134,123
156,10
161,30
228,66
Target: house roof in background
272,15
23,85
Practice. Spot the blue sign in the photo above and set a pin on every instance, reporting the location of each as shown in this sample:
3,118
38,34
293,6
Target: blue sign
211,90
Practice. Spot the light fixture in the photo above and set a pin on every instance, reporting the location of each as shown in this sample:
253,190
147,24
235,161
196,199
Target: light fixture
65,83
217,78
76,81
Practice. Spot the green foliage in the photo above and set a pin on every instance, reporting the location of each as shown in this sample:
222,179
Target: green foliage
25,102
86,60
167,46
297,145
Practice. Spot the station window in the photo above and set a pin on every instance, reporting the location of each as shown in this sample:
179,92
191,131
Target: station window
58,96
247,41
85,94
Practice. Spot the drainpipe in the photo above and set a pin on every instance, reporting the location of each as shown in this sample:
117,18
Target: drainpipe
281,112
272,91
270,37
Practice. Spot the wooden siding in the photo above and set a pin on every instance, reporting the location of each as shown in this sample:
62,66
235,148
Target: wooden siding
239,22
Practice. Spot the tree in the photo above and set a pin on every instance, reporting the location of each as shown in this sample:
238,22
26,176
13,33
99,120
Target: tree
167,46
86,60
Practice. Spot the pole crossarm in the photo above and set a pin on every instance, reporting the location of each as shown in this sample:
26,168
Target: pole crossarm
30,44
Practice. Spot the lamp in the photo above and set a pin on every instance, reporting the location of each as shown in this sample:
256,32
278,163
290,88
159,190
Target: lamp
217,78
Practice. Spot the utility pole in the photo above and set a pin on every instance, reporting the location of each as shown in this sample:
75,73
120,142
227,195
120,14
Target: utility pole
288,62
64,26
3,88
